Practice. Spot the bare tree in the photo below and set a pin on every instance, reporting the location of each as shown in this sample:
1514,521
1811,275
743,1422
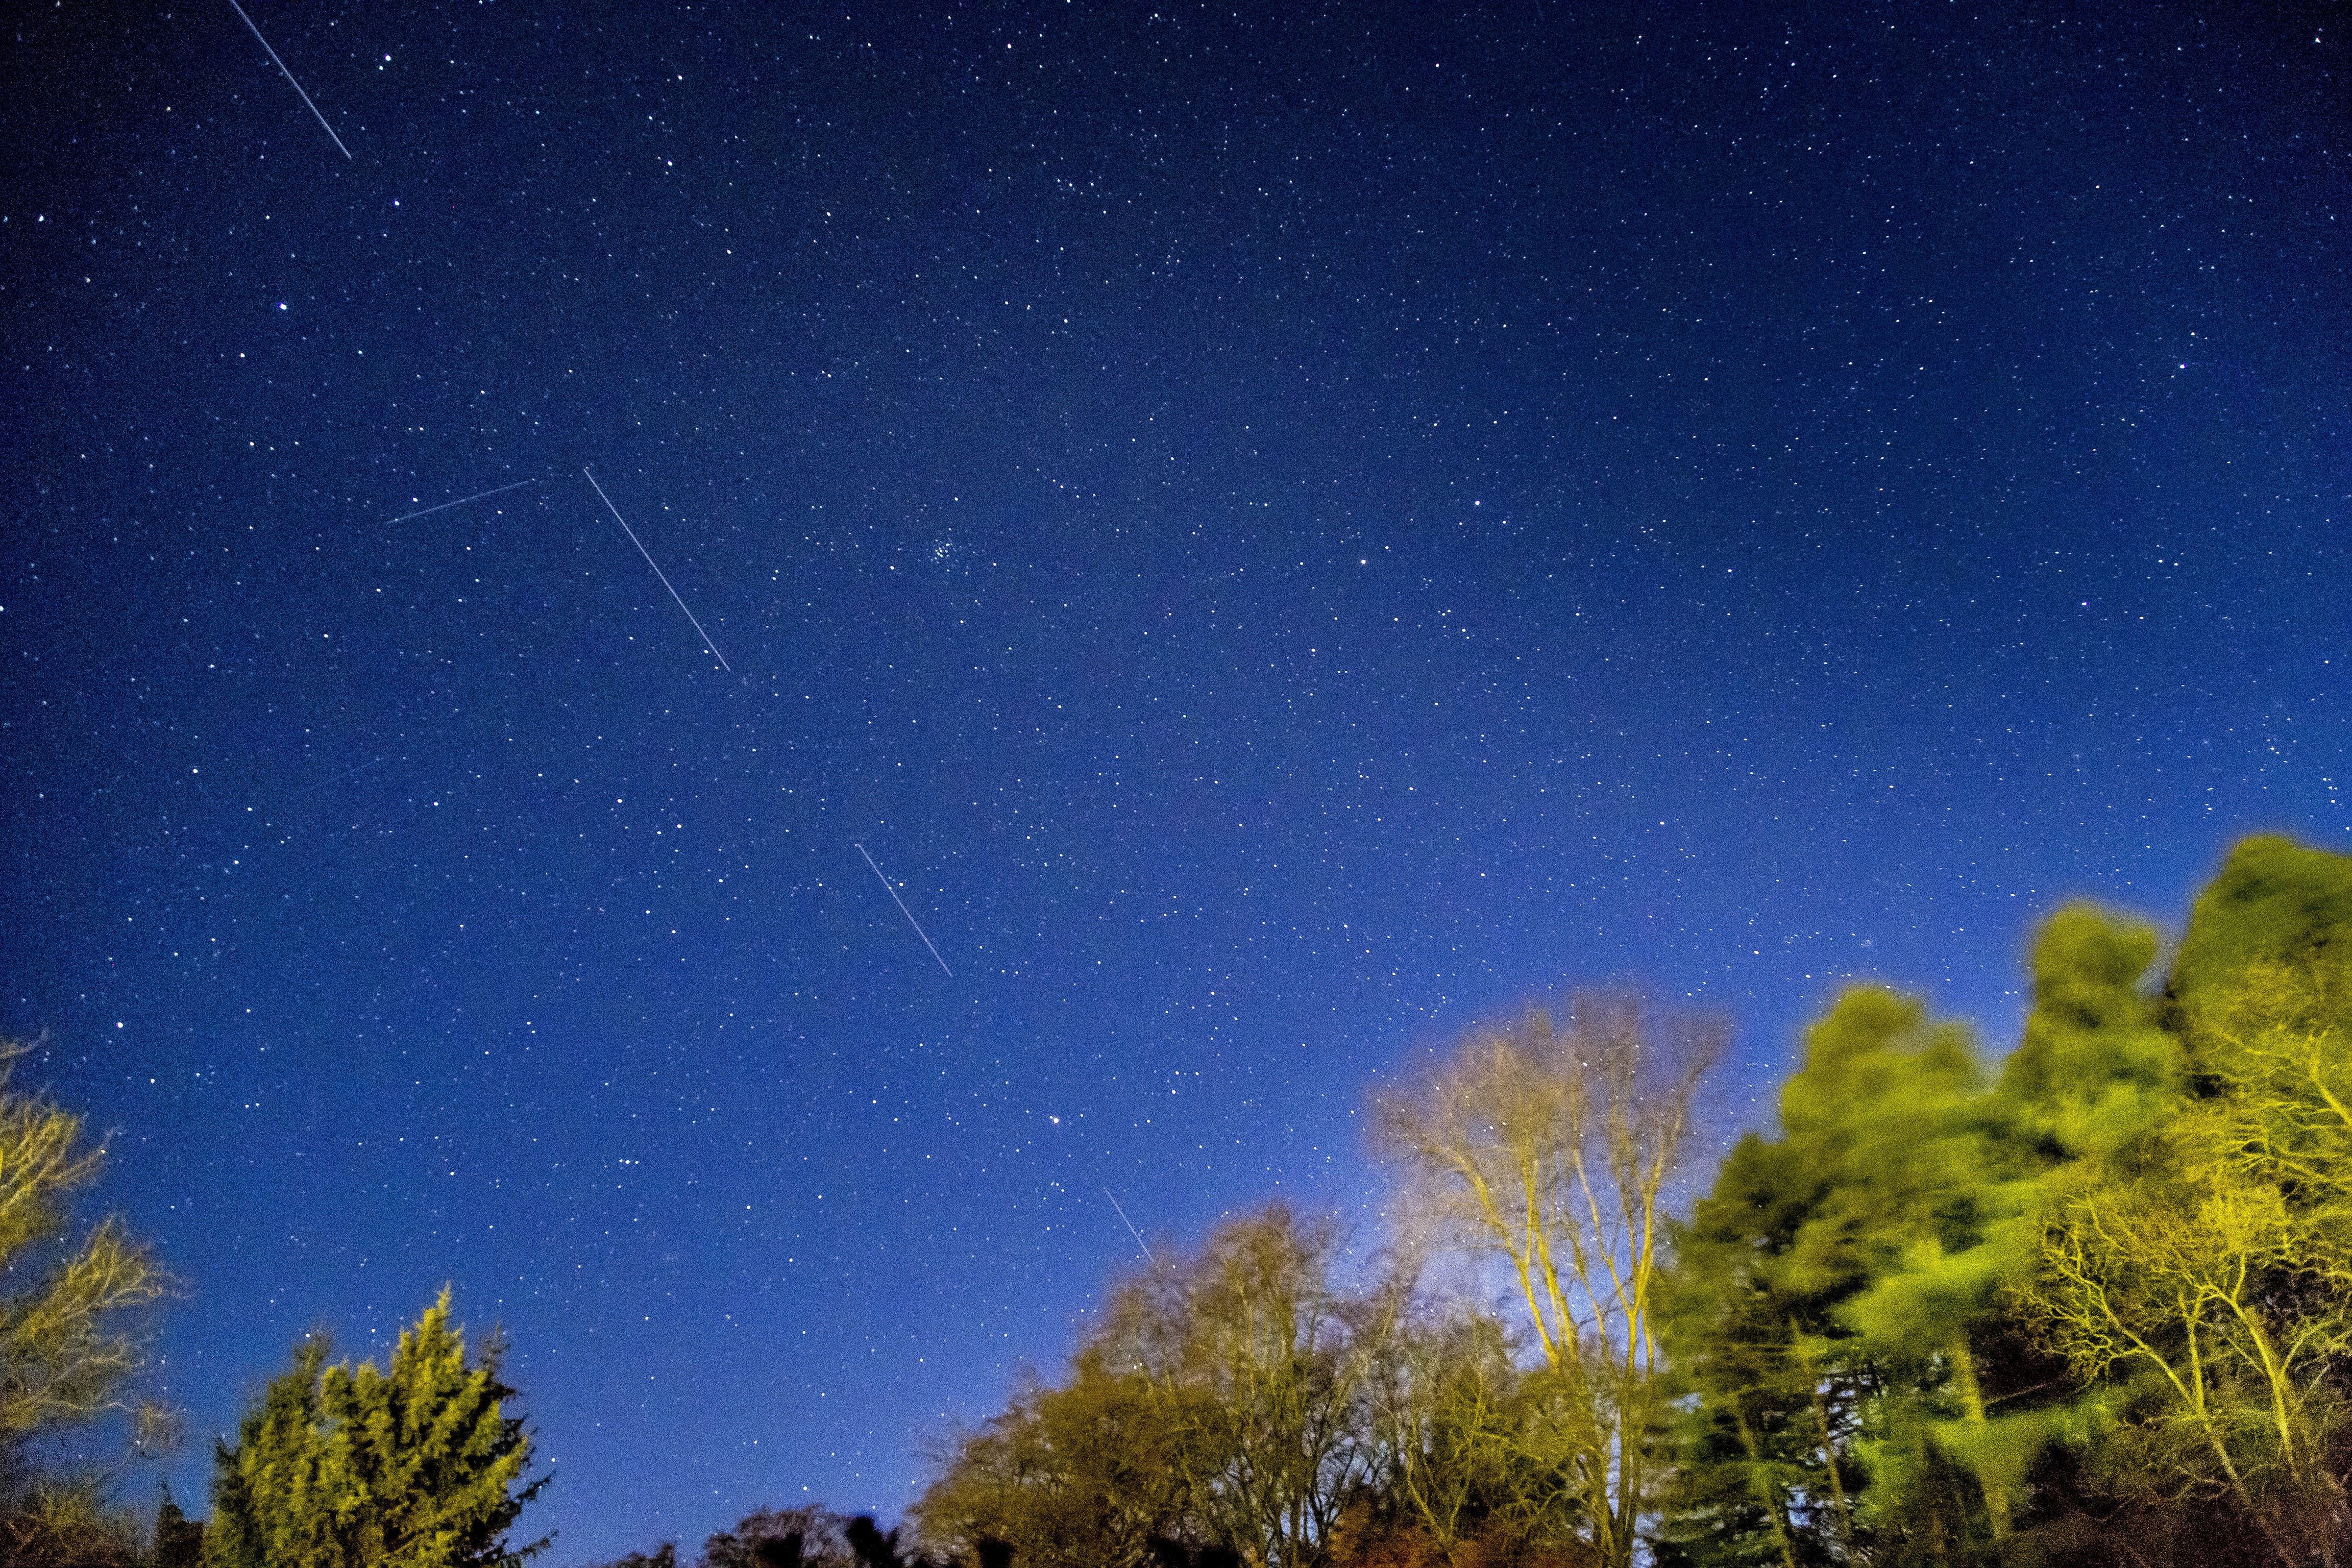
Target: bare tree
73,1338
1260,1363
1222,1403
1551,1144
1446,1407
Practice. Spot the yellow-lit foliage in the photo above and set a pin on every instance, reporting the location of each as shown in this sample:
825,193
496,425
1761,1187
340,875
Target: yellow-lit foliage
2278,1042
350,1467
2175,1274
67,1351
1260,1368
68,1525
1082,1475
1449,1406
1223,1400
1551,1147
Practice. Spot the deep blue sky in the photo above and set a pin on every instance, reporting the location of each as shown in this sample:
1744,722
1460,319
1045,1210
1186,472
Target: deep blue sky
1283,534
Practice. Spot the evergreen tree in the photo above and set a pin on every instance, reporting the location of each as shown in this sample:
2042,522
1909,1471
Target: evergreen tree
1877,1313
2096,1309
343,1468
1767,1472
1840,1304
2275,901
1824,1304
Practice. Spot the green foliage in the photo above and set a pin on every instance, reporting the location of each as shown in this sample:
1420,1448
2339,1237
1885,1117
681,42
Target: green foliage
2275,901
1827,1309
344,1467
2102,1299
1765,1472
2095,1073
2192,1265
1841,1302
2094,1309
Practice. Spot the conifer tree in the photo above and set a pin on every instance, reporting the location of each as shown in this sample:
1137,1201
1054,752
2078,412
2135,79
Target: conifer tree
343,1468
1826,1304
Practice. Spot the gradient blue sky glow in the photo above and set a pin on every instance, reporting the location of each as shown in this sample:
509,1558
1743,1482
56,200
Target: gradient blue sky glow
1283,533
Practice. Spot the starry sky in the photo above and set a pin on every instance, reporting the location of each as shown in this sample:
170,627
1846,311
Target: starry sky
1281,529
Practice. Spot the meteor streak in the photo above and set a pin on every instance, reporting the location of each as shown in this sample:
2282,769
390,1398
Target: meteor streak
904,910
1130,1228
681,604
292,83
461,501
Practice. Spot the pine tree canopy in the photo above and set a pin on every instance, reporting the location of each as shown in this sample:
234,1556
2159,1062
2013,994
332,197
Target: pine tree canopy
350,1467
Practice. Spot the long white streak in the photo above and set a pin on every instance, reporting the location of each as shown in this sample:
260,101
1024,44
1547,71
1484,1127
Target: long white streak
461,501
291,82
657,572
1131,1228
904,910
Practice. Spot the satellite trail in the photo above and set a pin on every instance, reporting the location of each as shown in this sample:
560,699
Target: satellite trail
461,501
690,614
1131,1228
291,82
904,910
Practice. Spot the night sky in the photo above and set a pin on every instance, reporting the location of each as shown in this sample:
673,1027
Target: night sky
1280,534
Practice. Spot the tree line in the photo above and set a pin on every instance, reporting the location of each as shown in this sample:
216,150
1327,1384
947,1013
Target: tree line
2090,1303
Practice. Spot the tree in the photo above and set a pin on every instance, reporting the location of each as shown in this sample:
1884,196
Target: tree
179,1539
810,1536
71,1338
1551,1147
1822,1303
2274,901
1258,1362
2195,1264
662,1556
1775,1386
2173,1284
67,1353
1842,1306
1222,1403
343,1468
1079,1476
1445,1403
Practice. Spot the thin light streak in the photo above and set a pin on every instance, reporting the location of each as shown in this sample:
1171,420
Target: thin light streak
290,81
657,572
904,910
1131,1228
461,501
